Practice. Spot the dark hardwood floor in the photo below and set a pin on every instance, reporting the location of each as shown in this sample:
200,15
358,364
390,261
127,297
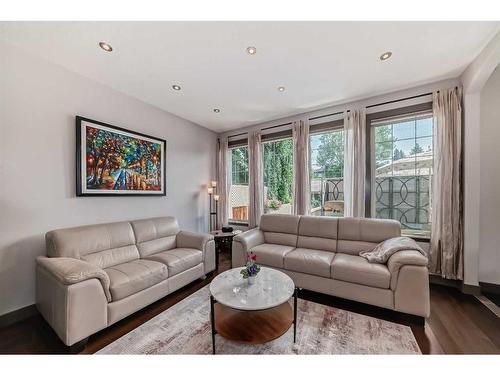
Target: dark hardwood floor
458,323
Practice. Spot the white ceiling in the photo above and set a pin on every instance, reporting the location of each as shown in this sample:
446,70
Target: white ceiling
319,63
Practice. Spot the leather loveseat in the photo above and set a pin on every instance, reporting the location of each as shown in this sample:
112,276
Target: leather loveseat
95,275
322,254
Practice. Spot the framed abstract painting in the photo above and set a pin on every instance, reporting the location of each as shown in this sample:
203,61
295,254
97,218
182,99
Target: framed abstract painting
114,161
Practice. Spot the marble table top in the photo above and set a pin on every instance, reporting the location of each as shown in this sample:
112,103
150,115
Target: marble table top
271,289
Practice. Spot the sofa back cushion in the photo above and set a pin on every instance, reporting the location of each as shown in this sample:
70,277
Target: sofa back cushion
356,234
280,229
318,233
103,245
155,235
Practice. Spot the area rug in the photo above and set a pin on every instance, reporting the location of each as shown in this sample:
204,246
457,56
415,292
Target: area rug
185,329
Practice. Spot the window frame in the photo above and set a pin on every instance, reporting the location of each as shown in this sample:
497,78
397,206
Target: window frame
318,129
276,137
239,143
376,117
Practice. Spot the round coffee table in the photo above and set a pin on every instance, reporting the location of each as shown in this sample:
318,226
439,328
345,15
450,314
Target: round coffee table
252,313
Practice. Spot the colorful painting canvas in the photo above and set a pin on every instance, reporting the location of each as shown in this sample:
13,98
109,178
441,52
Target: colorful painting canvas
116,161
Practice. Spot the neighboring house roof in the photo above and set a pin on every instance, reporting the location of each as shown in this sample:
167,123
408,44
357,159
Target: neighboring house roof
402,167
407,166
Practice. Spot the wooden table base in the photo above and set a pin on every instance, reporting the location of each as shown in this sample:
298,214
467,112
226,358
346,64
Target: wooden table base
253,327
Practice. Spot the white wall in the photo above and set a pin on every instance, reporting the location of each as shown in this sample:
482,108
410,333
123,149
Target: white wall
473,80
38,104
489,237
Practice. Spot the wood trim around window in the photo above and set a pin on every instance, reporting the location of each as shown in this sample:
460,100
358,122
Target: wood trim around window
237,143
326,126
409,110
277,136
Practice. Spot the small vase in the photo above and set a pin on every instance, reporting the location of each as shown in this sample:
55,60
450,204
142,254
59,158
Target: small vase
251,280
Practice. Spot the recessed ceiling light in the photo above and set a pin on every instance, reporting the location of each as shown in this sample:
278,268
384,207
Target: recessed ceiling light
176,87
216,110
251,50
281,89
385,55
105,46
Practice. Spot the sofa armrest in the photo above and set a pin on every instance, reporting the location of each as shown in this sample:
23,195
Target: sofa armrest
410,282
74,311
193,240
250,238
244,242
404,258
201,241
71,271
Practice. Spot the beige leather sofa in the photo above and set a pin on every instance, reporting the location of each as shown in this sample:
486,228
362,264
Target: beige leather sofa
95,275
321,254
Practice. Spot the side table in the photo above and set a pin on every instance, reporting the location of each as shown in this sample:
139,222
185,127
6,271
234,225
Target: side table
223,241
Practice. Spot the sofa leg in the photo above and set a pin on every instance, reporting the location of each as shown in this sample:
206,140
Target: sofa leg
414,319
78,347
420,321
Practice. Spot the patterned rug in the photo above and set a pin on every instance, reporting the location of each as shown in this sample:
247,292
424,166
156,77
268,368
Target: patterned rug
185,329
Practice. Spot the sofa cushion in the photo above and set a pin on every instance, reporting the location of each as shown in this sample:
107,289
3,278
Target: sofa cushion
179,259
311,261
132,277
318,233
355,269
102,245
280,223
280,229
155,235
358,234
277,238
271,254
318,226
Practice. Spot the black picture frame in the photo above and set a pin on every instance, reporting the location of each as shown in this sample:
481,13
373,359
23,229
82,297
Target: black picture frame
81,187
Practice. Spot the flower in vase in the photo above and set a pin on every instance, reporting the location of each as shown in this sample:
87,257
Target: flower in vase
251,268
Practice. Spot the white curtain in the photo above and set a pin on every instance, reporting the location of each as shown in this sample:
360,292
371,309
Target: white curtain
256,179
446,250
222,182
354,163
301,198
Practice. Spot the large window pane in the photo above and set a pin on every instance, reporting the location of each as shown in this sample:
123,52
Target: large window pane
404,130
327,172
238,192
278,176
401,182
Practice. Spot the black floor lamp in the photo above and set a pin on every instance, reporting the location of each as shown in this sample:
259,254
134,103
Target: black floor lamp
212,190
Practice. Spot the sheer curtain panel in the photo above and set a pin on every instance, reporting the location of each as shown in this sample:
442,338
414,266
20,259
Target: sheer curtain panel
256,179
301,195
446,250
354,163
222,182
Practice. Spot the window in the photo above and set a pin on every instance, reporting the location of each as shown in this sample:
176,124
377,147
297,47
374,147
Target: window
327,171
401,171
238,191
278,175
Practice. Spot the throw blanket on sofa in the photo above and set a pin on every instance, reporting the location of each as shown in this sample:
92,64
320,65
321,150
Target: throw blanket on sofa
383,251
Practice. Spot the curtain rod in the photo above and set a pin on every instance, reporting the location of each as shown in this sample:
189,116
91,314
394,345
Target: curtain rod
236,135
328,115
269,127
276,126
399,100
375,105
